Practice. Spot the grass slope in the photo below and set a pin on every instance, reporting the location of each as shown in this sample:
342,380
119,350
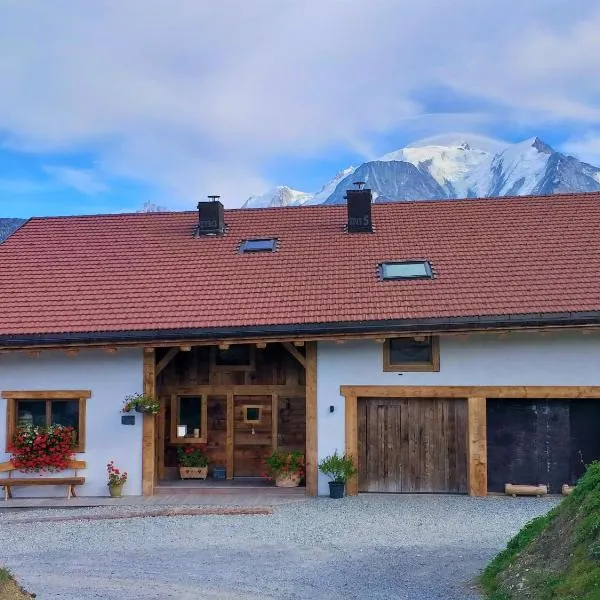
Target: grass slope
554,557
9,589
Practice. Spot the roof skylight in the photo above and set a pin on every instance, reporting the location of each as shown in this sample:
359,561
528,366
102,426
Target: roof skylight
258,245
410,269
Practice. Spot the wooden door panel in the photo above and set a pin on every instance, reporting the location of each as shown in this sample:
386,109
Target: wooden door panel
252,442
412,445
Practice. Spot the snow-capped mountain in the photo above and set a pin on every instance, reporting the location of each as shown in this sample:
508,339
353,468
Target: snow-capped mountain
459,168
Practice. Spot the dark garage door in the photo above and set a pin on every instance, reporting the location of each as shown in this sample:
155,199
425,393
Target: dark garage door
541,441
412,445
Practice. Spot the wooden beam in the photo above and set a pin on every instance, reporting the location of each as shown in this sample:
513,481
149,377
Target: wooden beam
149,350
274,420
299,343
352,440
149,428
223,346
165,360
185,348
295,353
261,345
477,446
230,435
516,391
290,391
312,455
48,395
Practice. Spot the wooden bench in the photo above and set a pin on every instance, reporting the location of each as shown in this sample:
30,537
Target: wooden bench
10,482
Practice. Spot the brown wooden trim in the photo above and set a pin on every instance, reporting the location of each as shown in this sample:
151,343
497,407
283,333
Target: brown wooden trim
47,394
477,446
174,438
434,365
161,440
409,391
299,340
236,390
312,457
12,397
295,353
166,359
274,420
351,410
149,426
230,433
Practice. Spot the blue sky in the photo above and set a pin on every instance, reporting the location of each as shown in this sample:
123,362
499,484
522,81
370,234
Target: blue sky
118,104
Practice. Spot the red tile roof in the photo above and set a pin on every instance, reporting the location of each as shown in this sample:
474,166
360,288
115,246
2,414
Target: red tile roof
136,272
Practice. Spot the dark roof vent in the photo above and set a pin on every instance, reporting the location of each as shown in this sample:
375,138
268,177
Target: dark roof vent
359,209
211,217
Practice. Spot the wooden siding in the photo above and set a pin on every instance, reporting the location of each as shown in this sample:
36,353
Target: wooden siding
412,445
276,384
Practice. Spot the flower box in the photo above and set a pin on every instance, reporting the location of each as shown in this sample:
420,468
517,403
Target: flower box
290,480
193,472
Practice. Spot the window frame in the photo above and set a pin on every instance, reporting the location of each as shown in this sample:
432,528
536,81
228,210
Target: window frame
245,408
251,366
244,249
433,365
175,400
422,261
13,397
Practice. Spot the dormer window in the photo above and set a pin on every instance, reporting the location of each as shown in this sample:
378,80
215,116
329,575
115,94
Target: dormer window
409,269
258,245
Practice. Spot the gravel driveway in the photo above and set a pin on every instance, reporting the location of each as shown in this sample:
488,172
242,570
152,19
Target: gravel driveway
371,547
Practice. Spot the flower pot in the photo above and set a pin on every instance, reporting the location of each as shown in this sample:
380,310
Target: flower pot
115,490
336,489
193,472
287,480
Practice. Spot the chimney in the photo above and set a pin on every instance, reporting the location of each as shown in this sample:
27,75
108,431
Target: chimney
211,217
359,203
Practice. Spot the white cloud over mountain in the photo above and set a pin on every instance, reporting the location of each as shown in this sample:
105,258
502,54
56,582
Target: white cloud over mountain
198,97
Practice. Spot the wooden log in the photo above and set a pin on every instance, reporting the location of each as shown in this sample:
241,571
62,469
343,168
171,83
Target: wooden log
511,489
567,489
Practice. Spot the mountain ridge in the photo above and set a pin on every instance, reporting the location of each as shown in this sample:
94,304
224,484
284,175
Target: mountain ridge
465,168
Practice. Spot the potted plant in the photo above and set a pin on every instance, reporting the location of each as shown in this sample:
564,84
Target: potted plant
285,468
40,448
339,469
141,403
193,462
116,480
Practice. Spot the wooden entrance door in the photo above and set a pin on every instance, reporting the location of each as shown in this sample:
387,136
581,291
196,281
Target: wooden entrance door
412,445
252,434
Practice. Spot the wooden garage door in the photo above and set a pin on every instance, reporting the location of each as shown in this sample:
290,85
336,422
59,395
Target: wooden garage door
412,445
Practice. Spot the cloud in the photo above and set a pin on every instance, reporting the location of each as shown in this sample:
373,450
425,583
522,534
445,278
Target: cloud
82,180
198,97
587,148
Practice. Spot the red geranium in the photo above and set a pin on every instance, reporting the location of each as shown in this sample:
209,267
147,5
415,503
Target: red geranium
42,448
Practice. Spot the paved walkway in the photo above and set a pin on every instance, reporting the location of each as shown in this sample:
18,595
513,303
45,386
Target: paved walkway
380,547
248,497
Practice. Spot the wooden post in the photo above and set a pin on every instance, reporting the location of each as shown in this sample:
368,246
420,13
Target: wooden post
477,446
312,460
149,429
274,420
351,449
230,433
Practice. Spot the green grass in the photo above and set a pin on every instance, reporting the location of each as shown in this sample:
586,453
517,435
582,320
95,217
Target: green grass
576,518
5,575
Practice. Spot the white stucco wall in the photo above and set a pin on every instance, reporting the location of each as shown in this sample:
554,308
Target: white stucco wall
110,377
481,359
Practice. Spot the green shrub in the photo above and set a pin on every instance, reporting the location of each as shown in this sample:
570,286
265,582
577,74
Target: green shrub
338,468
